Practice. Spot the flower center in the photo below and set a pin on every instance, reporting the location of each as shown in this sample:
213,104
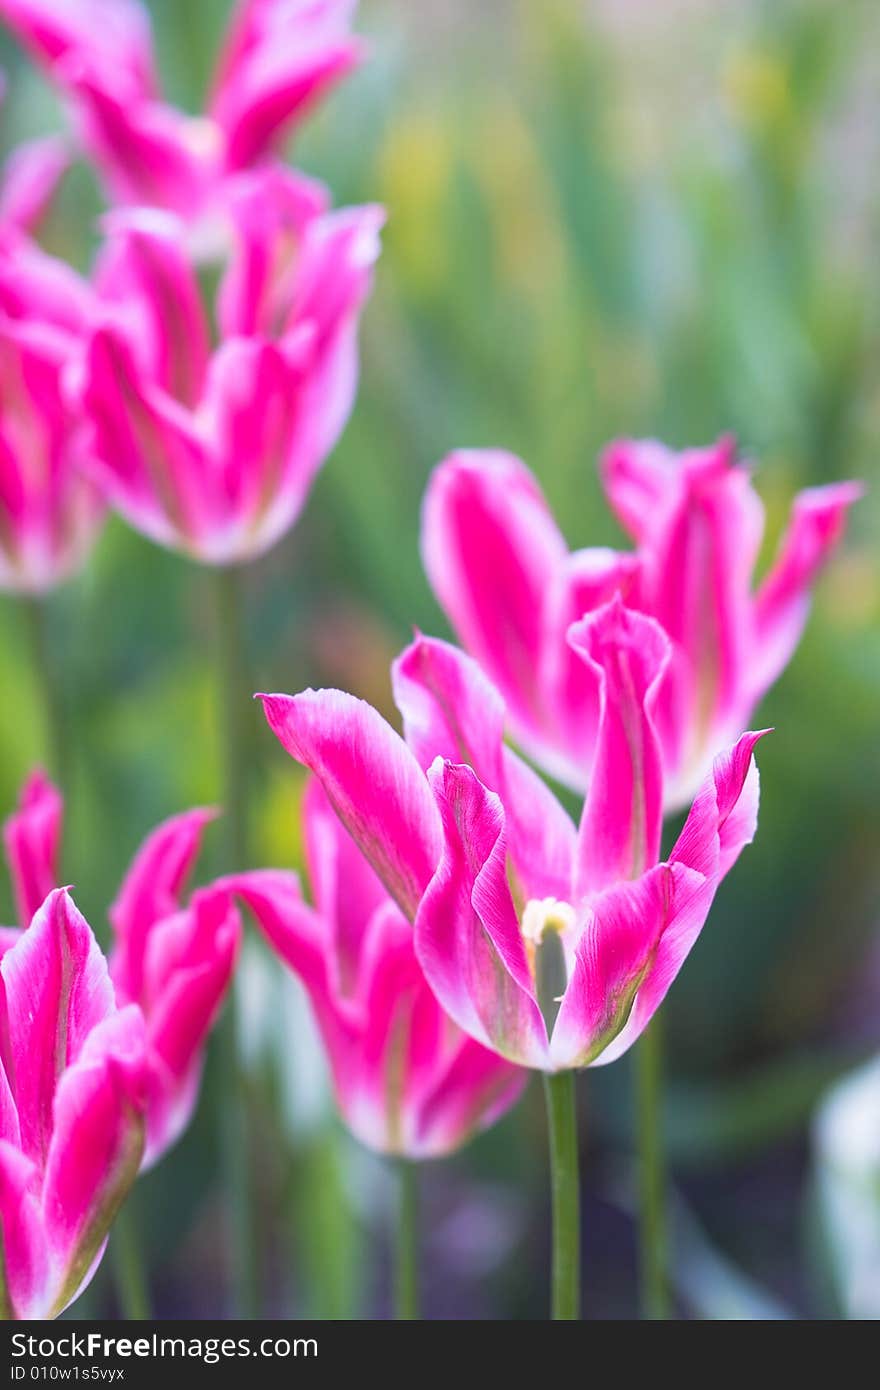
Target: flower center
544,922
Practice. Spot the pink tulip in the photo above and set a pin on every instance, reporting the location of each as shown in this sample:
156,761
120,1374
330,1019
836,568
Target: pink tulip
73,1092
50,512
551,945
172,959
509,585
407,1081
279,59
213,452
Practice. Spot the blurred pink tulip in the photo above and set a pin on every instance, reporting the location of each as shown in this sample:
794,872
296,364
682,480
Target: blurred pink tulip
50,512
213,453
280,58
73,1094
407,1081
173,959
550,945
510,587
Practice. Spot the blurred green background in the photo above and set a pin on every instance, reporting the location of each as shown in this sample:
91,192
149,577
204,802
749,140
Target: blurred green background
606,218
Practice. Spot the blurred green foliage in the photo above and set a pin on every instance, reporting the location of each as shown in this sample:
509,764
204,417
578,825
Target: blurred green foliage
607,219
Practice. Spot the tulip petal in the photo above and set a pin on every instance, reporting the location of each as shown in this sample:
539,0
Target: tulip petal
699,524
279,62
467,932
347,891
451,711
372,780
24,1258
252,409
585,582
113,34
145,269
147,452
490,548
619,835
150,891
477,1088
97,1145
634,941
189,962
57,990
783,601
724,816
31,837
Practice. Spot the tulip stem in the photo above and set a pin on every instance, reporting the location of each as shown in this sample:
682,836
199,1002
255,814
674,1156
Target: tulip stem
559,1091
234,697
652,1173
233,700
46,682
129,1270
406,1263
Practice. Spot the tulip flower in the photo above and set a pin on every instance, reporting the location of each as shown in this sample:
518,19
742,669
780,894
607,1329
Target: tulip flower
279,59
213,452
511,589
173,959
477,852
551,945
407,1081
74,1083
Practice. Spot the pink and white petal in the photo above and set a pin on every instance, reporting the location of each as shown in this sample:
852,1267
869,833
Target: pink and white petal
113,34
190,960
467,933
150,891
273,79
724,816
541,837
490,548
56,991
146,450
29,180
619,837
144,268
299,936
586,581
96,1147
477,1088
372,780
41,292
346,890
634,941
251,413
818,520
399,1039
32,836
450,709
24,1261
270,209
148,153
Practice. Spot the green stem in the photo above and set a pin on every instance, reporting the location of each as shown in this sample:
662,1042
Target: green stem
47,684
652,1173
559,1091
129,1271
406,1260
233,697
